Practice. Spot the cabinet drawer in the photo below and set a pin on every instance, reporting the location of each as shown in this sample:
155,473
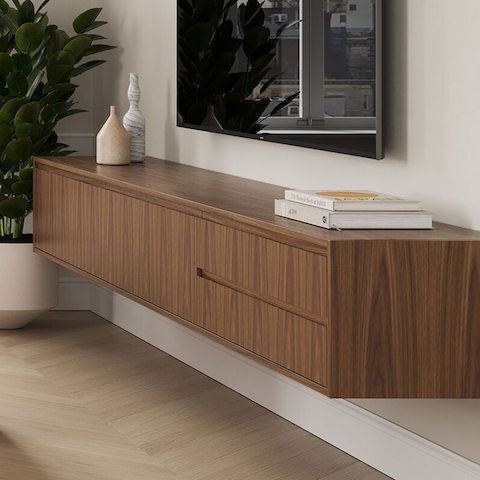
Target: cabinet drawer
283,276
290,341
141,248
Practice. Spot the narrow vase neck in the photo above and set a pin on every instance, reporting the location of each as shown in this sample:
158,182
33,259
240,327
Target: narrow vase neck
134,91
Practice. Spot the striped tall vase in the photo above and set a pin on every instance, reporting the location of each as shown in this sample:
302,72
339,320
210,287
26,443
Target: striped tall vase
134,121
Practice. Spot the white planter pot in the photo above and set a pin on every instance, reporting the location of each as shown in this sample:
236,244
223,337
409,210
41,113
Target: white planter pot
28,285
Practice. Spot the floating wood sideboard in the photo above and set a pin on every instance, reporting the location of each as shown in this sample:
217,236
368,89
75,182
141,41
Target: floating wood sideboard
358,314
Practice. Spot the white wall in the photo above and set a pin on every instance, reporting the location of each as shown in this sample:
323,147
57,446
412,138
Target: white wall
432,122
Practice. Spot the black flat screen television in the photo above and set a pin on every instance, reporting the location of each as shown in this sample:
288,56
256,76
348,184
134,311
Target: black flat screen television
300,72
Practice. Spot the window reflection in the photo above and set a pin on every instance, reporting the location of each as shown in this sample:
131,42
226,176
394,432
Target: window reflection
350,63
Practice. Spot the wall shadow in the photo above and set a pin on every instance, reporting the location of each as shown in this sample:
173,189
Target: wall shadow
395,81
171,147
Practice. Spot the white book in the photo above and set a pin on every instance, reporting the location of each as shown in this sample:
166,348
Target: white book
353,201
353,220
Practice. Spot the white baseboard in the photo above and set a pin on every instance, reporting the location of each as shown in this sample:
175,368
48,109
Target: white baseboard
73,292
389,448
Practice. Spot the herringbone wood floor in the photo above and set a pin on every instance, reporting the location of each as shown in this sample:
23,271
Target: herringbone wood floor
82,399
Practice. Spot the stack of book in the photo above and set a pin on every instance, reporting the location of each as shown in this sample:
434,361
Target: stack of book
353,210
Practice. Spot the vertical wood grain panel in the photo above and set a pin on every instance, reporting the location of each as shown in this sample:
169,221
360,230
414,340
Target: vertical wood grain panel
293,342
406,320
142,248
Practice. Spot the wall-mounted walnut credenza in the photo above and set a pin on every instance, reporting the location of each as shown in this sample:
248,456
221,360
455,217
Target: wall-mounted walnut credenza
386,314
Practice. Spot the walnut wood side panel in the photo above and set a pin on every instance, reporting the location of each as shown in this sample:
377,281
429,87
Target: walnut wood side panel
139,247
293,342
285,276
405,320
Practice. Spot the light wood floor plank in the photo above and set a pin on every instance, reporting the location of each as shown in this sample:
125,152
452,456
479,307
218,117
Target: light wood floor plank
81,399
45,433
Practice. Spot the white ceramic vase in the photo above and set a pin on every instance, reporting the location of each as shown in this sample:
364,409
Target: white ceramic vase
134,121
28,285
113,142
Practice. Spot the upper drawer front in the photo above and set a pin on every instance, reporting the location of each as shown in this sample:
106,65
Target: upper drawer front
285,276
141,248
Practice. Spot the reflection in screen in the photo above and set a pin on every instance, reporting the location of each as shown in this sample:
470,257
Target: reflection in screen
303,72
287,65
350,58
347,52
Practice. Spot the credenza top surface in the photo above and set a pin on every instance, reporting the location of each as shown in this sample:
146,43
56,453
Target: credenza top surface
220,195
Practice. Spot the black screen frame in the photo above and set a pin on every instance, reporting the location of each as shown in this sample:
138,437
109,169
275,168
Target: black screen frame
379,135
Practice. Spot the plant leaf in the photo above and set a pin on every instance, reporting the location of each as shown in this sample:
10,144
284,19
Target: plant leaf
29,37
287,27
284,104
254,39
96,38
69,113
23,187
35,83
9,110
23,130
58,39
63,153
26,13
94,25
53,110
60,67
10,22
5,135
78,46
199,35
43,20
19,150
27,113
6,65
13,207
26,174
263,62
17,83
85,20
254,14
94,49
42,5
22,63
87,66
229,4
5,44
269,83
62,58
185,7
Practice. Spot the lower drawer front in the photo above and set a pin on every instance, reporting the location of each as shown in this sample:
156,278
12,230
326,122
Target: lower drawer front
293,342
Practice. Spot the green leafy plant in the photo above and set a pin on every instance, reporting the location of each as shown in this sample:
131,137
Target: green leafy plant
37,64
225,54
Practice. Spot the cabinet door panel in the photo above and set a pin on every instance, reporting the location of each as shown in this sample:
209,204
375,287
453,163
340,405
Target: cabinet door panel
142,248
